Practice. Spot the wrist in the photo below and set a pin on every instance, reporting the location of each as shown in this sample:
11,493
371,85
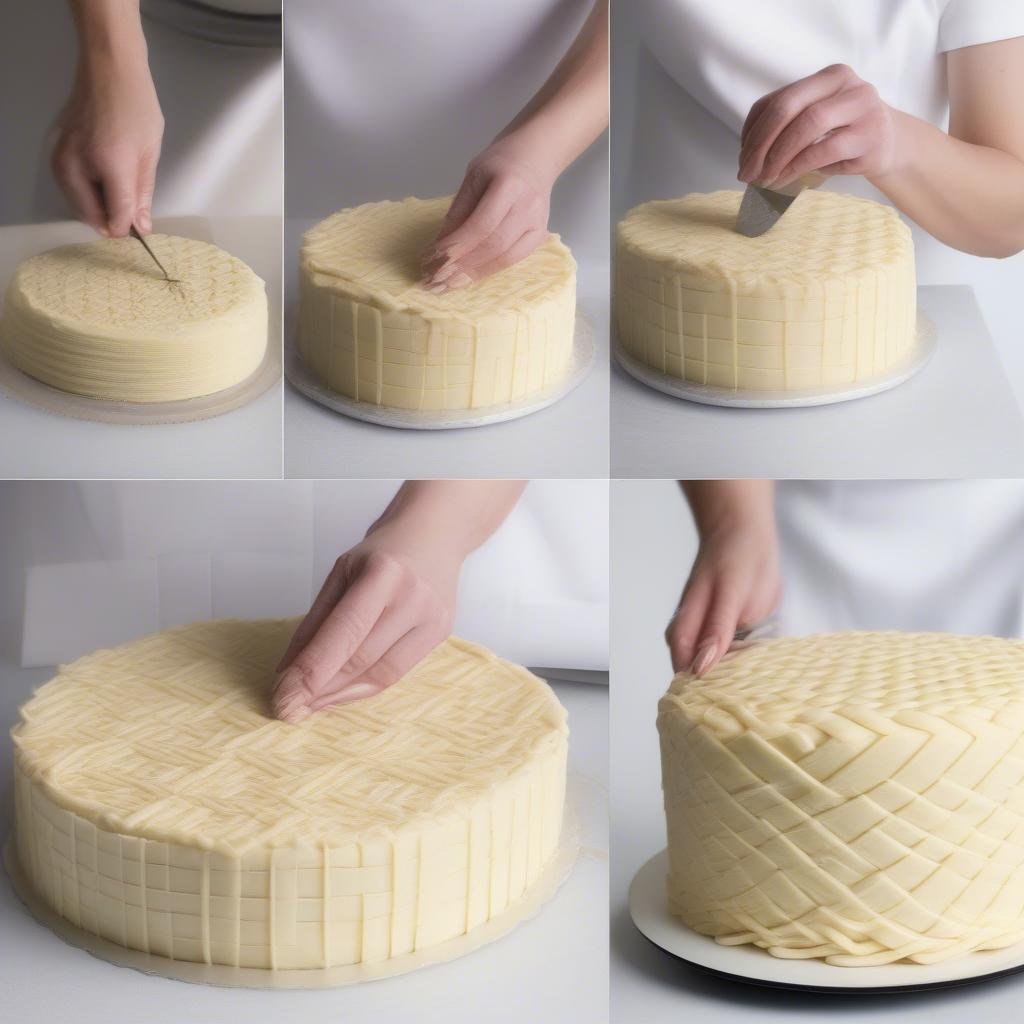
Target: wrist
530,145
904,145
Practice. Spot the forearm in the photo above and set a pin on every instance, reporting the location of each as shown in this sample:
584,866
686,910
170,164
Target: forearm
728,505
571,109
109,33
969,196
454,516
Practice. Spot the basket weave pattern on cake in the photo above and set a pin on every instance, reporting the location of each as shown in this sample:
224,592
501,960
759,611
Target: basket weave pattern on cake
825,298
370,331
160,807
98,319
853,797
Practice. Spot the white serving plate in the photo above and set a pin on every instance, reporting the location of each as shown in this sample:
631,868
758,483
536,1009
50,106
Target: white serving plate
300,377
920,353
648,906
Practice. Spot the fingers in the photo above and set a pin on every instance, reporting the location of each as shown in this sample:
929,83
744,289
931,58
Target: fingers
834,155
812,125
82,193
685,626
719,627
392,625
400,659
330,593
485,218
519,250
146,186
339,635
118,180
781,108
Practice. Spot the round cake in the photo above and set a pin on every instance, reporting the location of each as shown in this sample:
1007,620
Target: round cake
370,331
857,797
99,319
158,804
825,298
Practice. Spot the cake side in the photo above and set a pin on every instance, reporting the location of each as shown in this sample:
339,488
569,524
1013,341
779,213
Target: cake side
852,797
159,806
97,319
826,298
369,330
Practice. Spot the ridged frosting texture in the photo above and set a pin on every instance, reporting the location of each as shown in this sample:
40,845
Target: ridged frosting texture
98,319
160,806
369,330
825,298
857,797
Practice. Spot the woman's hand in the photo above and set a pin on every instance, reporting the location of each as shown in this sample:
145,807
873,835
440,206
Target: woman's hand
735,581
387,602
498,216
832,121
111,128
390,600
500,213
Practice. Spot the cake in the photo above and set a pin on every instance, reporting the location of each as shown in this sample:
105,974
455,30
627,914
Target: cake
824,299
369,329
99,319
159,806
855,797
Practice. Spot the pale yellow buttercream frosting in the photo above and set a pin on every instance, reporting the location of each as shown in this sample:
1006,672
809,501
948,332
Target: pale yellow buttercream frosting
160,806
99,319
370,330
857,797
825,298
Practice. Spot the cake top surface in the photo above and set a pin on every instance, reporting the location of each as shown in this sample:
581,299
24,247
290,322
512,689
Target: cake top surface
170,737
114,284
810,684
823,234
375,252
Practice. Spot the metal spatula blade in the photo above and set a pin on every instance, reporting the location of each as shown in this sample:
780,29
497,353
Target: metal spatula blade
761,208
134,232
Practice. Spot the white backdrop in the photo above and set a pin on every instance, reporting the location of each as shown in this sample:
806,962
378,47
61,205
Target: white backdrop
665,143
222,105
393,98
87,565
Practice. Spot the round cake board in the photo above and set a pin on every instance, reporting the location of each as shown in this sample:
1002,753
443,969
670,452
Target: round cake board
582,359
553,875
921,351
648,906
17,385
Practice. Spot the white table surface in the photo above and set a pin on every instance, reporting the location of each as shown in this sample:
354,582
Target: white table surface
245,443
553,968
957,418
568,439
648,985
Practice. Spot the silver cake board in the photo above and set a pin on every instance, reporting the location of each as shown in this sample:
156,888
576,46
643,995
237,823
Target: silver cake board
921,351
17,385
579,799
648,907
582,359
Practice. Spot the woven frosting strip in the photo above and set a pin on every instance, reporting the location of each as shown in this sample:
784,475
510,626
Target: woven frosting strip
370,331
98,319
855,797
826,298
158,805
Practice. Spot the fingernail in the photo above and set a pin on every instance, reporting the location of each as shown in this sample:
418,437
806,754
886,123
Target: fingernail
105,232
705,656
458,280
445,271
293,708
145,221
436,289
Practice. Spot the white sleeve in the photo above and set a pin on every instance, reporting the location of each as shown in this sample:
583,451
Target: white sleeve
969,22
